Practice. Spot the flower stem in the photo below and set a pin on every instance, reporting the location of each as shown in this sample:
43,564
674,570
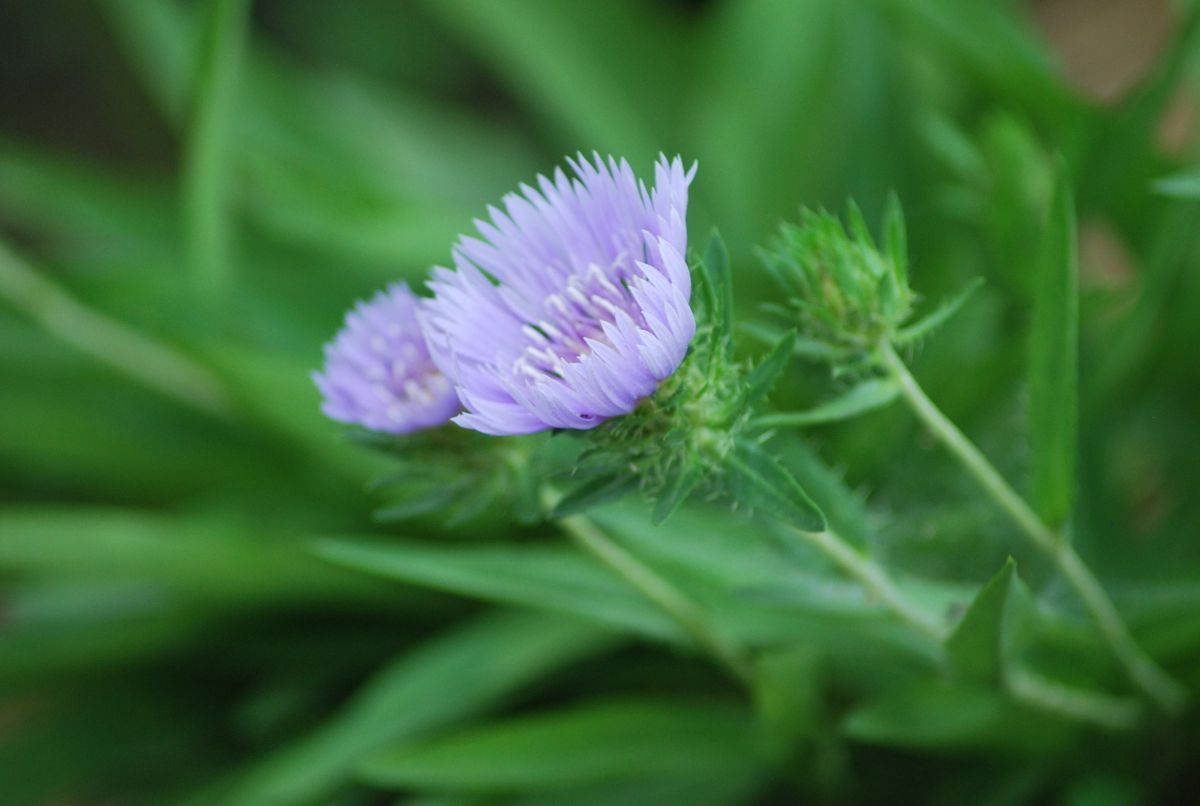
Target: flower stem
1141,669
688,614
874,579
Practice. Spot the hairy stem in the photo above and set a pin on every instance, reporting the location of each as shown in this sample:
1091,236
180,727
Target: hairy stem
874,579
1141,669
688,614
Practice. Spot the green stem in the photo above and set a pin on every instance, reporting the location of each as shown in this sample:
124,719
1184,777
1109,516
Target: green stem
1138,665
206,162
149,362
874,579
1110,713
684,611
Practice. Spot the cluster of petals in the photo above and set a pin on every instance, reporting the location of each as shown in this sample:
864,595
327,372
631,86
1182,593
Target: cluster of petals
572,305
378,372
569,308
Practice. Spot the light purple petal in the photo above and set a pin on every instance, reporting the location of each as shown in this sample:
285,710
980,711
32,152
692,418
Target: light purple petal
572,305
378,370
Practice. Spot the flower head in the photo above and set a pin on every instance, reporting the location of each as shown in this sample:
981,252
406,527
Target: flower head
847,292
378,372
574,304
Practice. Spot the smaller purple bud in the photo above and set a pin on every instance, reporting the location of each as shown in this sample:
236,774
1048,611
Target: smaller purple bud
378,373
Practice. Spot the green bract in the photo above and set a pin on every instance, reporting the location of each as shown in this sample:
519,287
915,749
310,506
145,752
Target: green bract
695,432
847,292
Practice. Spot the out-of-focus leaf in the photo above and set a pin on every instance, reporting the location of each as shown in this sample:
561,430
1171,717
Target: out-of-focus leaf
607,84
393,189
993,44
945,715
595,491
937,317
146,360
551,578
207,164
1186,185
867,396
719,288
1053,370
73,628
895,239
459,673
201,558
594,743
755,148
83,206
787,697
975,647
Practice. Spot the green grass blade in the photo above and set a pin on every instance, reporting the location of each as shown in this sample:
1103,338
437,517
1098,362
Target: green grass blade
145,360
553,578
867,396
591,744
461,672
207,159
1053,369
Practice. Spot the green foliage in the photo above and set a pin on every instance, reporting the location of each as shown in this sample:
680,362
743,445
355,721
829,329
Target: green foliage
1053,365
975,647
845,291
209,595
484,662
601,742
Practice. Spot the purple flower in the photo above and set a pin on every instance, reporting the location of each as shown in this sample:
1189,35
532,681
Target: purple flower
574,305
378,372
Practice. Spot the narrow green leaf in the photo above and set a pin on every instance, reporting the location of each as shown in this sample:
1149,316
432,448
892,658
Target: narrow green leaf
595,492
756,480
555,578
208,158
482,662
595,743
422,500
788,696
808,349
856,225
939,316
869,395
716,267
1184,185
200,558
677,492
762,378
895,239
949,715
975,647
1053,370
610,83
154,364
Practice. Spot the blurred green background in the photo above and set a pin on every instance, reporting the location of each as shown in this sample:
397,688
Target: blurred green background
191,195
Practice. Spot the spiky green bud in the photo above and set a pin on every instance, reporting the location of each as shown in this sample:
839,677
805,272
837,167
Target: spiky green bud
847,292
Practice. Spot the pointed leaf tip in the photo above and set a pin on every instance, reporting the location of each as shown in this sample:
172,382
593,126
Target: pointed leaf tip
757,480
975,646
716,269
677,491
761,380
